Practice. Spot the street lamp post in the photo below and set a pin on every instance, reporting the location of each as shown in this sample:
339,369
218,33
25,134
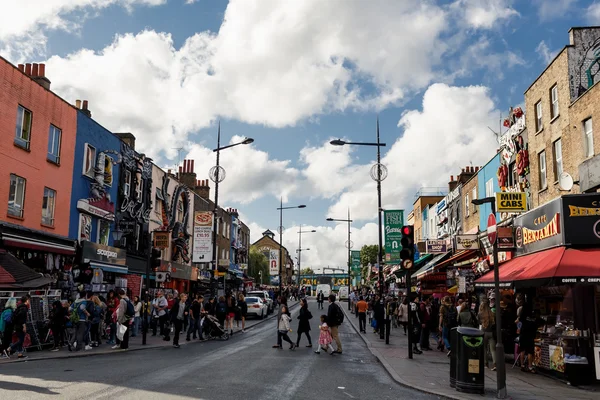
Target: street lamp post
217,175
501,366
378,173
349,245
281,208
300,232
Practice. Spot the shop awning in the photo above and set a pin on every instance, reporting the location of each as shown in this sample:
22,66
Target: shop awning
18,236
119,269
560,265
453,289
16,275
456,258
399,272
430,265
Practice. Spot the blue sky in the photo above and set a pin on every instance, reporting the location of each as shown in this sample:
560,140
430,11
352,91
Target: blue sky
294,75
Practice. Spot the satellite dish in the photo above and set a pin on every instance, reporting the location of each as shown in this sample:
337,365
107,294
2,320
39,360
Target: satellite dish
565,181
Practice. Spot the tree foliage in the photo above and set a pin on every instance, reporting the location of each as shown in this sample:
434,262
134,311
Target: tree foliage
368,254
307,271
258,262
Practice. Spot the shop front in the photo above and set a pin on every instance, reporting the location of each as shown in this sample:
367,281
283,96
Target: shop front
557,272
180,276
101,268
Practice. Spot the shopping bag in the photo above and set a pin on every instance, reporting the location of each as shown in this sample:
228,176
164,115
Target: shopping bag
121,329
374,323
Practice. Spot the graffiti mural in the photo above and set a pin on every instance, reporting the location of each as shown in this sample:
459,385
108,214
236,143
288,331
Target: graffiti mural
175,219
584,60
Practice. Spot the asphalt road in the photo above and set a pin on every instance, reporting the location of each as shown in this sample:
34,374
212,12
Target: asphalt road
245,367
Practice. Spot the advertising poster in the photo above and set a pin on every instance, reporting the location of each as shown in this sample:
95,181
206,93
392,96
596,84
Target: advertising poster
274,262
393,223
202,244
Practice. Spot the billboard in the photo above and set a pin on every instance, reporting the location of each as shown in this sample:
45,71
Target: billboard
202,244
273,262
393,223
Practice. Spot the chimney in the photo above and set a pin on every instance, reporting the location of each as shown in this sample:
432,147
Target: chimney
22,68
28,69
85,110
187,176
78,104
452,184
202,189
128,138
37,72
476,169
34,69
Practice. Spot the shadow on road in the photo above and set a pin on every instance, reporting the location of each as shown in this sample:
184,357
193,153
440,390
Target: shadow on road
15,386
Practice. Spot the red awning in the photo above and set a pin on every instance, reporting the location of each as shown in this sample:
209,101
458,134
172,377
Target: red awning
563,264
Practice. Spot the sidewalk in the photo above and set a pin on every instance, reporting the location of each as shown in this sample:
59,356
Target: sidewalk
429,372
135,344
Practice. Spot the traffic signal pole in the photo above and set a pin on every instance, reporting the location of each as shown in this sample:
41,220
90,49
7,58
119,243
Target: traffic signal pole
407,258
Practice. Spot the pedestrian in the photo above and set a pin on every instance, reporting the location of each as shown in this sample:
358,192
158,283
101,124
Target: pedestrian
7,325
125,315
283,301
159,314
416,317
466,316
486,318
448,320
111,305
231,311
57,324
325,338
320,300
425,308
283,327
335,317
19,321
304,317
362,308
403,314
137,307
221,312
194,317
79,317
96,319
243,310
378,314
179,312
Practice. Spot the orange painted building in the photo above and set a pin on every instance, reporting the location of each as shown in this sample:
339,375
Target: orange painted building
37,145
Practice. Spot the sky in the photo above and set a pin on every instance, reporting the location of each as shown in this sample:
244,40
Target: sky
293,75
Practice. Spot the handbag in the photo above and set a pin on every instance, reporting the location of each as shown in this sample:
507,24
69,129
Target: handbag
309,315
121,329
374,323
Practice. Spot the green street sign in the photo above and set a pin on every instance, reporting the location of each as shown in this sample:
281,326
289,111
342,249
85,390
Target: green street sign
355,257
393,221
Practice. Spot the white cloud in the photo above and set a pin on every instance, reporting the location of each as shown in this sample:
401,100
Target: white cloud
250,173
449,133
552,9
544,52
23,37
593,13
484,14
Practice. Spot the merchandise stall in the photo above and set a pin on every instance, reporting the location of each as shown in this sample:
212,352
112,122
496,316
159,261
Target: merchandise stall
100,269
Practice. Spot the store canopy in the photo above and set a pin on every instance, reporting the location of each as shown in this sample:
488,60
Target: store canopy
559,265
400,272
430,265
16,275
118,268
458,257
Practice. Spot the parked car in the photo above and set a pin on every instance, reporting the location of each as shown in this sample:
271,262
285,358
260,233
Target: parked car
256,307
264,296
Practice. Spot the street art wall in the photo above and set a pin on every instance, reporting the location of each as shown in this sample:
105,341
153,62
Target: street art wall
584,60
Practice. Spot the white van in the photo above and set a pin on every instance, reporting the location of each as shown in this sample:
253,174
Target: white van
325,288
343,293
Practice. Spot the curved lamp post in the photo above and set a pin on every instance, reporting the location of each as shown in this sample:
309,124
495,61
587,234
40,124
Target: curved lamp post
349,246
281,208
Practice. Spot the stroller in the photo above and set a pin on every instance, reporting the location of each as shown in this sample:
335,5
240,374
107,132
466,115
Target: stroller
213,329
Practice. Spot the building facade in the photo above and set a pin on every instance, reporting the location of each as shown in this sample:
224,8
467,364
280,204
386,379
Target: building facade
470,212
270,248
487,186
37,138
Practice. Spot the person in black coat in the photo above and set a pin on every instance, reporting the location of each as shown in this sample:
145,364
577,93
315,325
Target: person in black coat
58,318
304,324
179,312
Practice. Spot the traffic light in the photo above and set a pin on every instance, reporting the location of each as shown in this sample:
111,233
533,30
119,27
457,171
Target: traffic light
407,254
155,257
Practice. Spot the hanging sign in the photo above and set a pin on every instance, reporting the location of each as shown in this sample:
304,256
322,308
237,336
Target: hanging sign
467,242
202,244
511,202
393,223
436,246
161,240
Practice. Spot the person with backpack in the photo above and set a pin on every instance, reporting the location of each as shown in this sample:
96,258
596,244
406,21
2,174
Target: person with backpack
416,323
335,318
7,325
448,320
79,315
125,314
466,316
19,321
57,324
98,310
221,311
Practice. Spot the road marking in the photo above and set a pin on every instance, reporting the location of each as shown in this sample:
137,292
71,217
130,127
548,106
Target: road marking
341,387
349,395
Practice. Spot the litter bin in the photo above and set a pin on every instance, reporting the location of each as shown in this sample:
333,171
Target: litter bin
453,346
470,353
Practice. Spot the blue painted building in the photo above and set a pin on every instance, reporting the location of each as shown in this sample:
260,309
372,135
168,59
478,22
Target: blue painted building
487,186
95,183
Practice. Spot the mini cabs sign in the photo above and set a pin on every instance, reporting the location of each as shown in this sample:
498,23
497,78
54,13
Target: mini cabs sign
511,202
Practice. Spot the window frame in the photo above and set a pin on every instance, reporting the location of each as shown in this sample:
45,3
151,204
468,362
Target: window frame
19,141
21,212
489,188
542,155
474,195
588,137
48,213
102,221
108,159
90,171
51,157
558,159
539,123
467,206
158,197
127,183
554,102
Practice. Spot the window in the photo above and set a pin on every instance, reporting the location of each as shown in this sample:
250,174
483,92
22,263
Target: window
538,116
542,164
180,211
588,137
103,232
16,196
108,170
89,154
554,102
158,202
489,188
54,136
473,197
467,205
558,162
127,184
139,187
23,129
48,205
513,177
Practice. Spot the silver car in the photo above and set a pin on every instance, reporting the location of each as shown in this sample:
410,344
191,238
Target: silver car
264,296
256,307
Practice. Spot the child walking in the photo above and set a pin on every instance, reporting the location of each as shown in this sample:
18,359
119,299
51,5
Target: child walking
324,337
284,327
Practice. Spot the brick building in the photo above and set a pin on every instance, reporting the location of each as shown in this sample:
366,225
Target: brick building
270,248
425,198
37,145
561,106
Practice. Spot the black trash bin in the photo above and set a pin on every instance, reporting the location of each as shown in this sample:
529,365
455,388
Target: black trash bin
470,353
453,346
